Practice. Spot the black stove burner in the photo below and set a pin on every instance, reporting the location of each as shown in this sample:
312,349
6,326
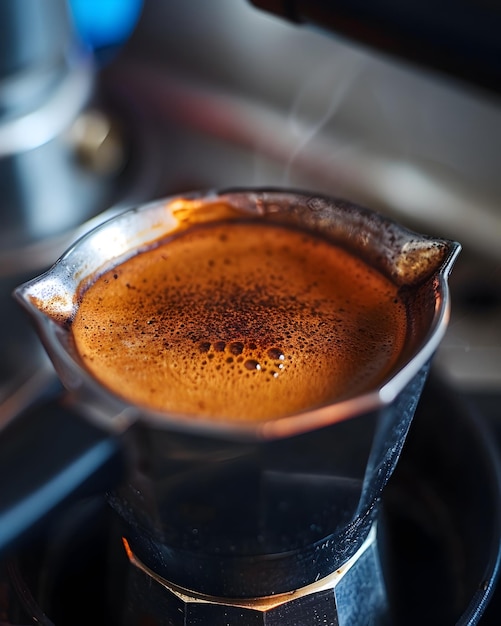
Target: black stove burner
443,515
441,540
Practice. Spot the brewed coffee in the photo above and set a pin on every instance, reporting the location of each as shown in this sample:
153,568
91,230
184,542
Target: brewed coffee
240,321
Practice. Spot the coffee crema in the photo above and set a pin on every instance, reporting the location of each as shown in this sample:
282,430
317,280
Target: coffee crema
240,321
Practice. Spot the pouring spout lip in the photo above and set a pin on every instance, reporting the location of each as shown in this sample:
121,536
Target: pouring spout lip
454,250
33,297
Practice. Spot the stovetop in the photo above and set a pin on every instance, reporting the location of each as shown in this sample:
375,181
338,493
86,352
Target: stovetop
441,519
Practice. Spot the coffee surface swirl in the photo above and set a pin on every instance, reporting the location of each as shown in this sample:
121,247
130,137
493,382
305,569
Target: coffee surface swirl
240,321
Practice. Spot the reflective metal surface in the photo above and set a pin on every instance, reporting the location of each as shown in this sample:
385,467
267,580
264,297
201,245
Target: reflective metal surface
188,473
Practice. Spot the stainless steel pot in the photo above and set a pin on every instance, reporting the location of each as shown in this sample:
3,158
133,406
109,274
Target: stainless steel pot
209,505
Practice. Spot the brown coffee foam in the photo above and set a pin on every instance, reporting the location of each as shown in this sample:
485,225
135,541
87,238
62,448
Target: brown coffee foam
241,321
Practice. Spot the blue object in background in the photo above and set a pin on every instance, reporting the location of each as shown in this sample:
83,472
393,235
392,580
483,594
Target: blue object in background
105,23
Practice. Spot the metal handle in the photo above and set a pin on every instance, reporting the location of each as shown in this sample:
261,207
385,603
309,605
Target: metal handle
460,38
